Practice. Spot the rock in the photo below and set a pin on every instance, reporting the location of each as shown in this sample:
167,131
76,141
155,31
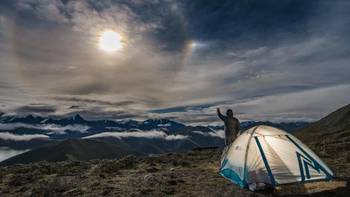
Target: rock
152,169
172,182
149,178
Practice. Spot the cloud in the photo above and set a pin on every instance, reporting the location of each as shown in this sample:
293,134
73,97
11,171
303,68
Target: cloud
15,137
57,129
316,104
35,109
249,53
139,134
94,101
12,126
219,133
147,49
6,153
176,137
177,55
51,10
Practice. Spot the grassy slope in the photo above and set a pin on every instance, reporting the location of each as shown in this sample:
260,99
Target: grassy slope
187,174
330,139
335,126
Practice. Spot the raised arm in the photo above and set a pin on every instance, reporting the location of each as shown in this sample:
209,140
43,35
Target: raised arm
222,117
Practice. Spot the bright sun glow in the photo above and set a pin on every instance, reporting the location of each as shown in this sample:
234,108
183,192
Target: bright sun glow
110,41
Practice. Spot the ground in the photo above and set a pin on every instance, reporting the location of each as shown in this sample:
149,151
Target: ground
187,174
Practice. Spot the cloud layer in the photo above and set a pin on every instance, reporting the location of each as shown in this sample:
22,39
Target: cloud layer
219,133
26,137
53,128
139,134
269,60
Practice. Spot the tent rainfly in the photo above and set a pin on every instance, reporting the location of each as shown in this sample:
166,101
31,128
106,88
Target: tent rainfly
270,156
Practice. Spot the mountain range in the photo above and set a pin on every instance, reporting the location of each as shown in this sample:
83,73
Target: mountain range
163,174
42,135
58,128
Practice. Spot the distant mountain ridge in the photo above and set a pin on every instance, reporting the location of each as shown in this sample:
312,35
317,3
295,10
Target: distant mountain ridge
76,127
167,125
152,136
329,137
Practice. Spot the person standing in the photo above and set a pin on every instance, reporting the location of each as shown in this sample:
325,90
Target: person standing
232,126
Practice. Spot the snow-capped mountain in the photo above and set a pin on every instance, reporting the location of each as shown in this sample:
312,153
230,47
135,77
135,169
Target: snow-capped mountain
148,136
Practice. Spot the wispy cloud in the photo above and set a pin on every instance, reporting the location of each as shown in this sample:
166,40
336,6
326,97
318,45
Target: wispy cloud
176,137
219,133
57,129
15,137
139,134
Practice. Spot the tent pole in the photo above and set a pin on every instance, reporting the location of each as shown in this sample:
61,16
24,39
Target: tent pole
246,156
267,166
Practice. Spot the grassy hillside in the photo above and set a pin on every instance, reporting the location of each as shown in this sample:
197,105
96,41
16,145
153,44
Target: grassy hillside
330,138
182,174
335,126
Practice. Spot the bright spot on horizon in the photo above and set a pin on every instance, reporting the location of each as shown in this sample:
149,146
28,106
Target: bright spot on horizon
110,41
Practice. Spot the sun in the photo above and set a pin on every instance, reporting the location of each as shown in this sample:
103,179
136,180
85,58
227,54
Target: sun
110,41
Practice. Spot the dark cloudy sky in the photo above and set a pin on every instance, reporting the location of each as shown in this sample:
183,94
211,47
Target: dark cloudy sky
268,60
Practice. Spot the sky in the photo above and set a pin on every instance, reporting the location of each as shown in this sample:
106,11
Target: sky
267,60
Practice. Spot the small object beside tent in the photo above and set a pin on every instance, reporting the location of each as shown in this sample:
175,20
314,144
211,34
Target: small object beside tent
267,155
